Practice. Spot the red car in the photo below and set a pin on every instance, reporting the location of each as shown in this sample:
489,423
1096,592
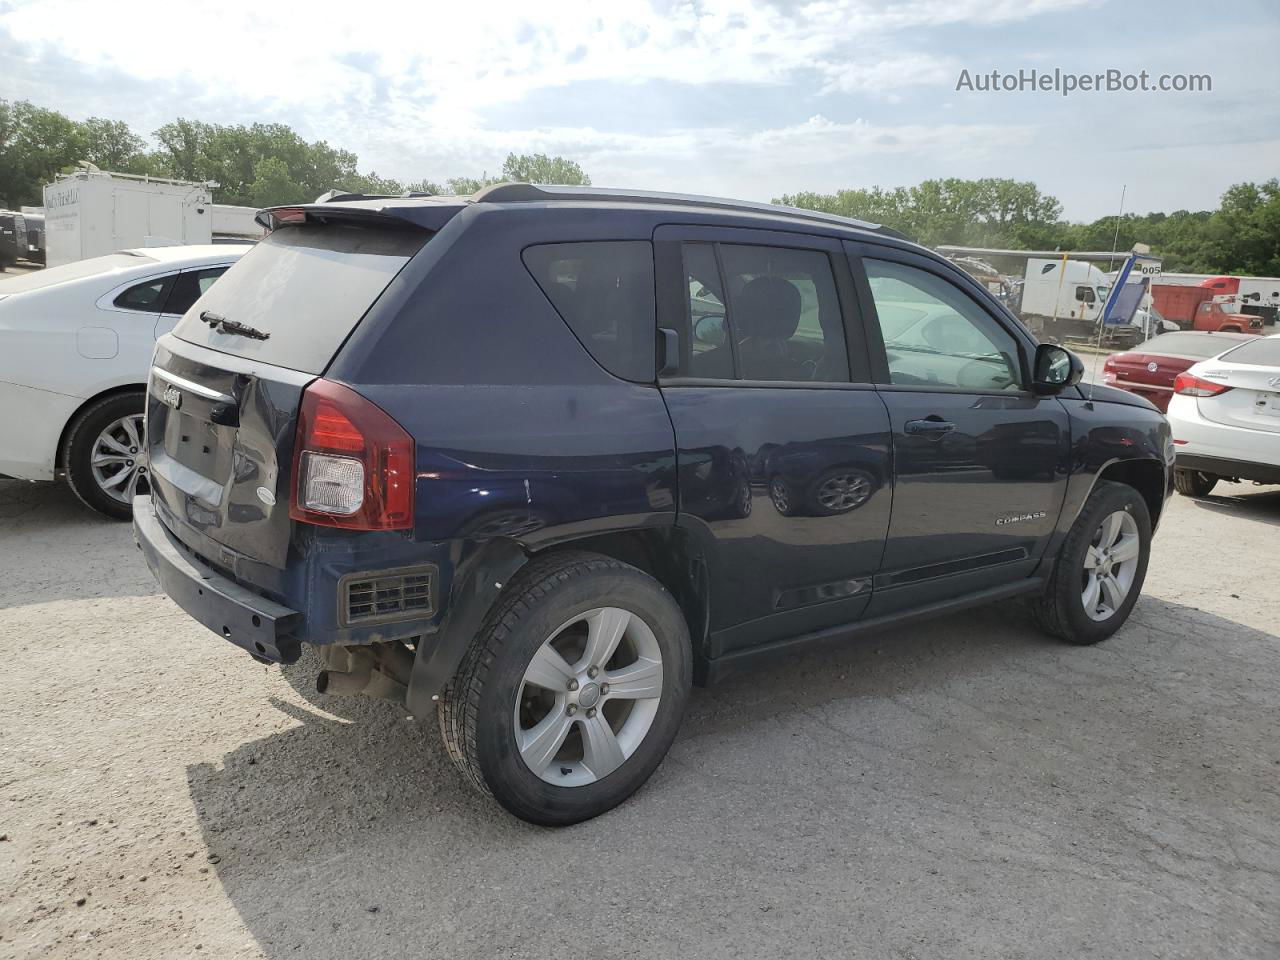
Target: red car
1150,368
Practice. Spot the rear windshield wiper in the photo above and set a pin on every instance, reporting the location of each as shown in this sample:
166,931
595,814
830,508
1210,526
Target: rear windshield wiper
217,321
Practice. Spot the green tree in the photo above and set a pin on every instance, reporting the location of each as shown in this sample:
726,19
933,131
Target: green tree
539,168
987,212
1243,235
463,186
373,185
273,185
37,145
229,156
428,187
111,145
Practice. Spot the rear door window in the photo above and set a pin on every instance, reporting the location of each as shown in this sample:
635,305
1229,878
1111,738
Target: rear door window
604,291
783,321
305,287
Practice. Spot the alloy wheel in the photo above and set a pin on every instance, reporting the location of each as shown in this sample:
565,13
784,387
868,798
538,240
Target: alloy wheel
843,492
780,495
1110,565
588,697
119,459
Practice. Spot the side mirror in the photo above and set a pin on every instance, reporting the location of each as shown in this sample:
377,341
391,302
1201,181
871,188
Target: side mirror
709,329
1056,368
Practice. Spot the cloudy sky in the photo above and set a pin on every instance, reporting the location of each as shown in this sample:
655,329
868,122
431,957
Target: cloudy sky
743,98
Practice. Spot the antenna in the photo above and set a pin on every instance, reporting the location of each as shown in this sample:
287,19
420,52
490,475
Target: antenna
1115,242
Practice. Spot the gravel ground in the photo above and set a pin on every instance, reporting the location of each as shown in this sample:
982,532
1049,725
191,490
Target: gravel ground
962,789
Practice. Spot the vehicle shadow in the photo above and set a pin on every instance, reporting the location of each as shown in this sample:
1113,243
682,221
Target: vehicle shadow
832,779
1243,500
82,553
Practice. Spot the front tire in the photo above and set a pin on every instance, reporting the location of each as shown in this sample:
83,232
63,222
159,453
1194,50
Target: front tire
1101,567
1193,483
572,692
105,455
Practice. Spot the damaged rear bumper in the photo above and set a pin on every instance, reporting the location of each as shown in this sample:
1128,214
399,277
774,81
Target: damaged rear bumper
260,626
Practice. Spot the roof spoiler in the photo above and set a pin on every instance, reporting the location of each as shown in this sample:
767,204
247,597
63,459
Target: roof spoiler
430,215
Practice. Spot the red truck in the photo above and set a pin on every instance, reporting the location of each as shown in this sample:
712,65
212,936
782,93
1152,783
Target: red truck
1195,308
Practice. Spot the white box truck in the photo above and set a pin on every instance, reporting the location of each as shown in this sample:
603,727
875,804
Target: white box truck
1064,298
90,213
1064,290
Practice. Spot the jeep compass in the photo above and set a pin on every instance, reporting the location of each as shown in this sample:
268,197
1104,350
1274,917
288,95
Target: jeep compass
539,459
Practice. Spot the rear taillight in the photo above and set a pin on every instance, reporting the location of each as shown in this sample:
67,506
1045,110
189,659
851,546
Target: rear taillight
1192,386
353,465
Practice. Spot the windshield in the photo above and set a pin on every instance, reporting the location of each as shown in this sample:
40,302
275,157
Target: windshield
300,292
73,271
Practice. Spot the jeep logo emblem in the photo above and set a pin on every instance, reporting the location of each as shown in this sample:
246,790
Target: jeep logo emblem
172,397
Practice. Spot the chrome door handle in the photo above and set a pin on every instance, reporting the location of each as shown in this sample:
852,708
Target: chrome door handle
929,425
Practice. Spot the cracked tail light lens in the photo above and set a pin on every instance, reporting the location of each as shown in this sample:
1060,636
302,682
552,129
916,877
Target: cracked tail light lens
353,464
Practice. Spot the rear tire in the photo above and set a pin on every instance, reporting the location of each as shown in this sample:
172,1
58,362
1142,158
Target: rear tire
491,710
1193,483
108,431
1101,567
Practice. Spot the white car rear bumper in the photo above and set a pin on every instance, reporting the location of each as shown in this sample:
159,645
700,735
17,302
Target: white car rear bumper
31,423
1201,444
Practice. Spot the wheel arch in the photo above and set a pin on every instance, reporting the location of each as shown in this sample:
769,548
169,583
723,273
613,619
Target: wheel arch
672,556
668,554
59,454
1146,476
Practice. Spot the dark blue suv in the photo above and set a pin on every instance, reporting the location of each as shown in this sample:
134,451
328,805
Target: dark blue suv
541,458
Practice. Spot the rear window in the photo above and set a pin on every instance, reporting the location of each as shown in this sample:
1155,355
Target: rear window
1187,344
604,291
305,287
1264,352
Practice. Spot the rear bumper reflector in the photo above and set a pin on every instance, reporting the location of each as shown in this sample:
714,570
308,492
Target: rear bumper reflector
260,626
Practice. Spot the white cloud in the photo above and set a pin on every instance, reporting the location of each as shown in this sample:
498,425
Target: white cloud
711,95
451,60
817,153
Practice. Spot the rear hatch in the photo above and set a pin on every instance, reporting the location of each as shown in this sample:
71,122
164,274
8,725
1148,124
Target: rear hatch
1252,372
226,384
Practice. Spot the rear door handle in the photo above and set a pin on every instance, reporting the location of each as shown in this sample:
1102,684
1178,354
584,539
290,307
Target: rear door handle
929,425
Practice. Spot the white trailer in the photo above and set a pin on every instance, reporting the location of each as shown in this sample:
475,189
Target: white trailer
90,213
235,224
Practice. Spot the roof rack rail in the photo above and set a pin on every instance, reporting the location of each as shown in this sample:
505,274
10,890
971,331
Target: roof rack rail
535,193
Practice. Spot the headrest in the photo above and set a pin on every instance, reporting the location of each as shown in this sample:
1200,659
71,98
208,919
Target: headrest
767,307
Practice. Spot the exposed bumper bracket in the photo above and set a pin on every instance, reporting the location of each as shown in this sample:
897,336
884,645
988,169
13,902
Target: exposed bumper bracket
261,626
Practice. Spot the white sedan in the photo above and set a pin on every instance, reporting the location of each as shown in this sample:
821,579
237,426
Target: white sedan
1225,415
75,350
